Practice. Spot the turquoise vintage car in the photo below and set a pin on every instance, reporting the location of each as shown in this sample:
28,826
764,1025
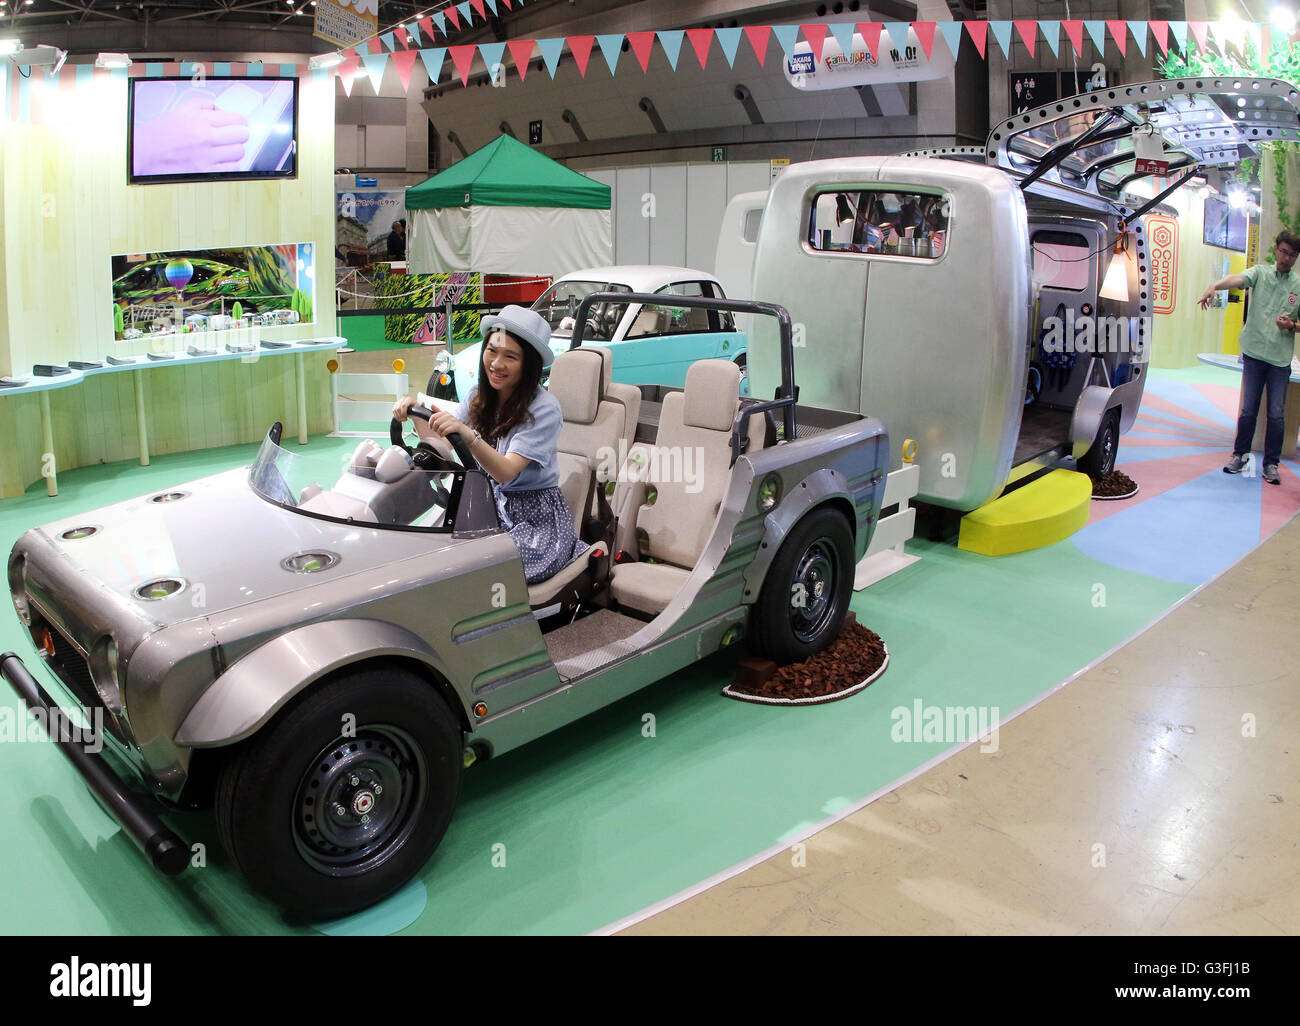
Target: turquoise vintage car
652,344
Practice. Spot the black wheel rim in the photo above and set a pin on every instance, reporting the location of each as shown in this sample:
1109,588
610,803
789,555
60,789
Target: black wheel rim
812,595
357,801
1108,446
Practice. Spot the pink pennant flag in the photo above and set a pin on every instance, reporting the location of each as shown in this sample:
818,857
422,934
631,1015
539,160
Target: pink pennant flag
463,56
1160,29
642,43
979,34
1074,30
816,36
925,35
1119,33
1198,32
403,37
1028,31
450,12
478,6
700,39
426,26
376,45
580,47
521,52
870,32
758,36
404,61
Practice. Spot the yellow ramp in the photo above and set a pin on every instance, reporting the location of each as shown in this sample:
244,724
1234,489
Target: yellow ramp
1040,513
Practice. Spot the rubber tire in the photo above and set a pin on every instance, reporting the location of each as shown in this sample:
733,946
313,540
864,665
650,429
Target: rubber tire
771,633
1099,461
257,787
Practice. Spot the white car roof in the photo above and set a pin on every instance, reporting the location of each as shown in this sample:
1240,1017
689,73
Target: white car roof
639,277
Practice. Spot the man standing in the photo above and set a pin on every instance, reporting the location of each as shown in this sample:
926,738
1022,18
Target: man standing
397,241
1267,344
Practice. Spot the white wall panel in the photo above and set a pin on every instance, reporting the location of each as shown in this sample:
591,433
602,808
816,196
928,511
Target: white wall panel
632,231
668,226
706,199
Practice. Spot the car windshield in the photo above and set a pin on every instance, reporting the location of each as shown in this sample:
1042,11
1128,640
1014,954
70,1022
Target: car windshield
560,302
373,485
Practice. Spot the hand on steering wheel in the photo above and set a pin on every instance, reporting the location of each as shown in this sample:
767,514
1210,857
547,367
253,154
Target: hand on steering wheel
457,444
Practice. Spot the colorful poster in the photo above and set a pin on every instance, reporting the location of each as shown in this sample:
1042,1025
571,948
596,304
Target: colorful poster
346,21
1162,236
429,293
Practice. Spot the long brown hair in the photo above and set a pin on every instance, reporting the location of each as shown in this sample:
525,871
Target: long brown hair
484,415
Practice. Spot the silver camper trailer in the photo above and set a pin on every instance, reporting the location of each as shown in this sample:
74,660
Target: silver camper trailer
962,296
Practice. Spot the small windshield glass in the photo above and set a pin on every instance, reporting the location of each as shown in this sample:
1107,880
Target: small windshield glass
559,303
374,485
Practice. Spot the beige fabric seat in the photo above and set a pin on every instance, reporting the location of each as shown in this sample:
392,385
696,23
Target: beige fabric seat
689,467
591,430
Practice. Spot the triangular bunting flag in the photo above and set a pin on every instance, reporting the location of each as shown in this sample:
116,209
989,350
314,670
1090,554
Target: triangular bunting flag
403,37
843,33
758,36
979,34
1097,33
642,43
785,35
1179,29
951,32
414,32
433,62
580,47
1160,33
611,45
493,56
521,52
925,36
729,40
551,49
450,12
870,33
671,41
459,12
1119,33
375,45
347,70
1051,35
463,57
404,62
1198,34
898,34
478,6
390,41
1074,30
815,34
701,38
1139,30
375,64
492,6
1028,31
1002,33
441,19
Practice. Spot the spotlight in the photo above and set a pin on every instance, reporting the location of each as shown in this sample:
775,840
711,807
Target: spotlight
112,60
325,60
1283,19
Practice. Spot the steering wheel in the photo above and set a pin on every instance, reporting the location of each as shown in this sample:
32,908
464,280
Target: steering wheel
433,448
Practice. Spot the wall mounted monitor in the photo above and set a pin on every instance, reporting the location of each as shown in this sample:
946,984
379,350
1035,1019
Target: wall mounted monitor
212,129
1225,227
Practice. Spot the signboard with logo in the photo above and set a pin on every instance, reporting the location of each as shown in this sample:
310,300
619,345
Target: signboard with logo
838,70
346,21
1162,238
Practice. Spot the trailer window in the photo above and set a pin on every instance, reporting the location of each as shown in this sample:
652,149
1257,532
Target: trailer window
1062,260
884,221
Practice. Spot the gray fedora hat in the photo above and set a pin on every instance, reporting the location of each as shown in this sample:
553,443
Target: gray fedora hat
526,325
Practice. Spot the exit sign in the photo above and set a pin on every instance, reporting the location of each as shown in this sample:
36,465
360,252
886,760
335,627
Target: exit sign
718,155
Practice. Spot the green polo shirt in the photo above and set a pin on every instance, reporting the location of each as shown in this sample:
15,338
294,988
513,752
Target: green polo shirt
1271,295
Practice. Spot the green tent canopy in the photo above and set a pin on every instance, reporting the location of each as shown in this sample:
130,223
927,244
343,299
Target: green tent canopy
506,173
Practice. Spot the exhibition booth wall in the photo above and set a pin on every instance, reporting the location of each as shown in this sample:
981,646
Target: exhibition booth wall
68,211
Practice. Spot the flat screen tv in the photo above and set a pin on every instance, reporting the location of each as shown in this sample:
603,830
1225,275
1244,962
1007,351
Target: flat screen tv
1225,227
212,129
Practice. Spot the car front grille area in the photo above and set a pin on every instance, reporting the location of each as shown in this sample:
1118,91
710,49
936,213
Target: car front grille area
70,666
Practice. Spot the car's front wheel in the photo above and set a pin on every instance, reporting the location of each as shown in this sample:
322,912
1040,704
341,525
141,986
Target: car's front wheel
806,592
340,800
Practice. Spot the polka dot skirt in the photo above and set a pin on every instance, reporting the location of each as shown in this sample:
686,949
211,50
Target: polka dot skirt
541,525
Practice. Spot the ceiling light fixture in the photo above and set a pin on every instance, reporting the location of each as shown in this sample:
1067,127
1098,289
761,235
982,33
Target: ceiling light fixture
112,60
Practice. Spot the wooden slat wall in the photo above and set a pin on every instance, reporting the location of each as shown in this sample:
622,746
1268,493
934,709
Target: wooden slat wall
66,210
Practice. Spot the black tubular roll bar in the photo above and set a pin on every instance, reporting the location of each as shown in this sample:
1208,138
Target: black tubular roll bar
785,395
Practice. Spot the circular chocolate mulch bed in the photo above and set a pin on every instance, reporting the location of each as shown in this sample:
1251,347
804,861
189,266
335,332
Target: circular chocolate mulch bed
1115,485
851,662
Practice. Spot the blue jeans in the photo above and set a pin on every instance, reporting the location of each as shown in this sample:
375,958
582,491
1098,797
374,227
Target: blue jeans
1255,374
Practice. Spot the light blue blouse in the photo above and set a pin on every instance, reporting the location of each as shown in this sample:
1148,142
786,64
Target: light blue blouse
536,441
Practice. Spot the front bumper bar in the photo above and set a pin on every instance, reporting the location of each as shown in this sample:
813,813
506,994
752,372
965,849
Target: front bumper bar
133,812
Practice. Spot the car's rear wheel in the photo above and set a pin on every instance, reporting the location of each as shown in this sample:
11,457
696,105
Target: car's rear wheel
1099,461
340,800
806,592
